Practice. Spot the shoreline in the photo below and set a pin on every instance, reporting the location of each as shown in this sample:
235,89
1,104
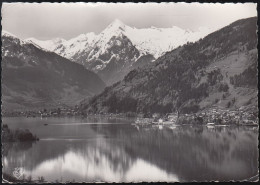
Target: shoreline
182,122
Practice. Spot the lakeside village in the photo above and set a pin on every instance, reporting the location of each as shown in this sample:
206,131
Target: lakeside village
212,116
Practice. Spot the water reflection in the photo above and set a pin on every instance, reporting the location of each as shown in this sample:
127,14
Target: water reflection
86,161
93,164
121,152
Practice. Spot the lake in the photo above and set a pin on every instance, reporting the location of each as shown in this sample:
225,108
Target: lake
112,150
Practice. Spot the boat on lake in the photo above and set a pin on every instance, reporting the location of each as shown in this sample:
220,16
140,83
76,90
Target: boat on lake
172,127
210,125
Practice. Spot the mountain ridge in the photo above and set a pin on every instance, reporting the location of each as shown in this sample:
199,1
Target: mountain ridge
190,78
34,78
131,33
89,49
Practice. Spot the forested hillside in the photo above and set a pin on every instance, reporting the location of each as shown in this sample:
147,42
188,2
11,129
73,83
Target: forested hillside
219,70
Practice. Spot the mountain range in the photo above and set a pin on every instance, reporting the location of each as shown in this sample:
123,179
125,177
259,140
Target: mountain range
218,70
33,78
119,48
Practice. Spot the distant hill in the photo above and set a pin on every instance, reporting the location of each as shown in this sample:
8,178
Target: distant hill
33,78
218,70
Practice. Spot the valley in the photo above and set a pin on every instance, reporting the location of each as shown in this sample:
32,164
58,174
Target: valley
190,78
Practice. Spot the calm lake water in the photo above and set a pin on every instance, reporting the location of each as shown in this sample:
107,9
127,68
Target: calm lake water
113,150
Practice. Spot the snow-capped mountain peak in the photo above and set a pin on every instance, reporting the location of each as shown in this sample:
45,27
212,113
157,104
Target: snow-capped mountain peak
13,37
119,46
8,34
84,37
116,28
46,44
116,24
154,41
58,40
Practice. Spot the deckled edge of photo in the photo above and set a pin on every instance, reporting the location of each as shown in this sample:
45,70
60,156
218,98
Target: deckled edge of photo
251,179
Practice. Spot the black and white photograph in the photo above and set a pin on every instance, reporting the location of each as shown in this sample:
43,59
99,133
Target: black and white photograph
129,92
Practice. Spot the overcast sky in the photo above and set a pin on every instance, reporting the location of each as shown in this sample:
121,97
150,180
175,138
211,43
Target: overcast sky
67,20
